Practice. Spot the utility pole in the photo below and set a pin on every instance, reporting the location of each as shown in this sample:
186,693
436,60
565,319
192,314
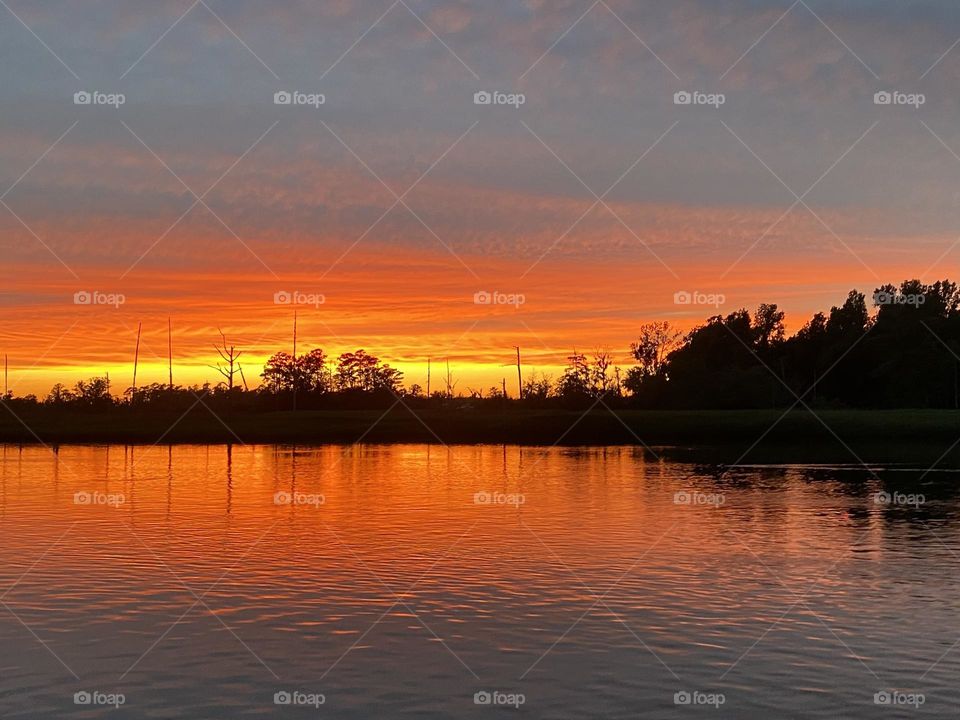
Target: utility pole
5,369
136,358
519,376
428,377
170,350
296,374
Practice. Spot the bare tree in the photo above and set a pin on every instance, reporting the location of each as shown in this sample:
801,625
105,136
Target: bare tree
451,383
229,355
602,363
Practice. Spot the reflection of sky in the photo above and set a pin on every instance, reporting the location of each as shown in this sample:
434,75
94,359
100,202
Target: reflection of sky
703,209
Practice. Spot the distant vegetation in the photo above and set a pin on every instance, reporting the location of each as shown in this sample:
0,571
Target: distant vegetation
906,354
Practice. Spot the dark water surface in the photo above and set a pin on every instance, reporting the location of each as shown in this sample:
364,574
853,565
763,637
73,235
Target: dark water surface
400,581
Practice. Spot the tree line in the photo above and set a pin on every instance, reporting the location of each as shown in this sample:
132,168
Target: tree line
900,348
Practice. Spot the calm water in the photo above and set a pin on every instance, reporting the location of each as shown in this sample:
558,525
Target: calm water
199,582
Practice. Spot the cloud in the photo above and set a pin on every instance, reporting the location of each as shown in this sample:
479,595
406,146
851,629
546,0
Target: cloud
598,96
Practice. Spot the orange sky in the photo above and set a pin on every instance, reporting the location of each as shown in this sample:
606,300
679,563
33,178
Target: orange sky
404,309
400,198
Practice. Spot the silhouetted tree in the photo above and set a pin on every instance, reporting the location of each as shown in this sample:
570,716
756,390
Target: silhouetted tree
58,395
646,380
93,392
601,373
360,371
229,355
575,383
307,373
537,387
767,327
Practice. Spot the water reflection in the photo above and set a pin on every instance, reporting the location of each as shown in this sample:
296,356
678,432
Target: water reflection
200,581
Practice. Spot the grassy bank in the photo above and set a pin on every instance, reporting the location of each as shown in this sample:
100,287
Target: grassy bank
856,427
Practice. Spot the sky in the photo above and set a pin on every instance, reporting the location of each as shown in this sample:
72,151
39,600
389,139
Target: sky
403,216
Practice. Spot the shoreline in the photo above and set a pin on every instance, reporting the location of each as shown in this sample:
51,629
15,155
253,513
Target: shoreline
892,431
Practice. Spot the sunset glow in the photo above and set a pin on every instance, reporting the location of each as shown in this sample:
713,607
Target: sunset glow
399,198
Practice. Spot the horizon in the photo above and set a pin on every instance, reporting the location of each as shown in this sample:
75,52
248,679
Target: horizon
154,366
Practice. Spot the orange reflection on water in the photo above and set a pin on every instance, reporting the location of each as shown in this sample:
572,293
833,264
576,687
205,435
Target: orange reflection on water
429,568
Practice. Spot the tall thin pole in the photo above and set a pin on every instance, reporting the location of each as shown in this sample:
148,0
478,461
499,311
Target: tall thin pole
5,369
296,375
136,357
428,377
170,350
519,376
